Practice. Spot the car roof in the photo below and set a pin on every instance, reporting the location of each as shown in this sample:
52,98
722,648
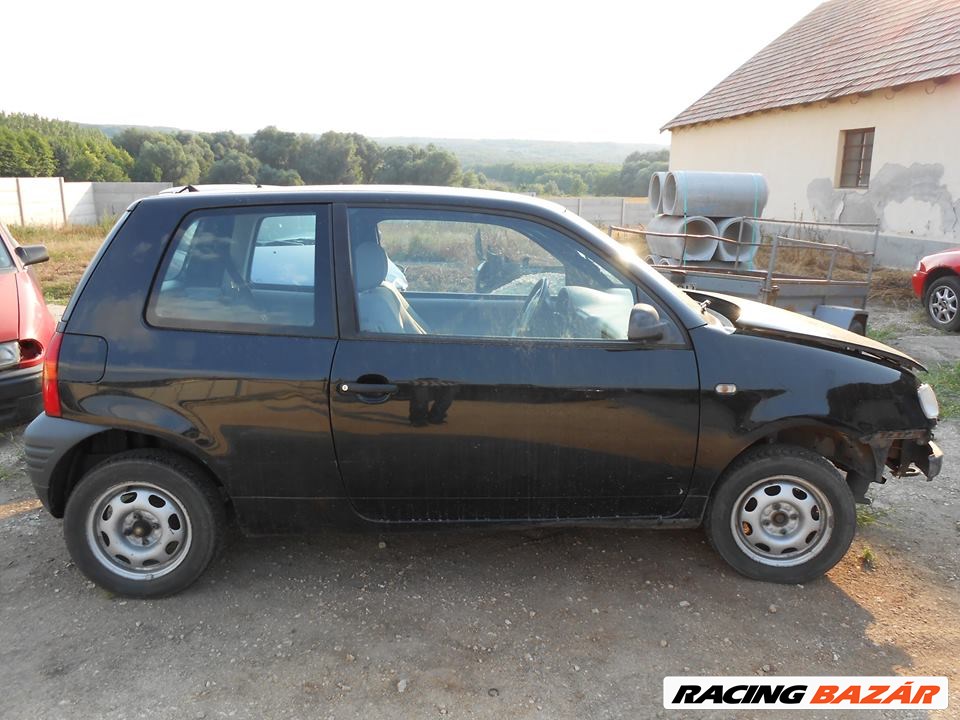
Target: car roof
362,193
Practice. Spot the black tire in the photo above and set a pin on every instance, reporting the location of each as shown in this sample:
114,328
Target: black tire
165,516
782,489
941,303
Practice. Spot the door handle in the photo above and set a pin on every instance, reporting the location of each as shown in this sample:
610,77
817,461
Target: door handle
358,388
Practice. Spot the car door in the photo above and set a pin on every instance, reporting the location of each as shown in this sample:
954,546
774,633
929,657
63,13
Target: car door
452,404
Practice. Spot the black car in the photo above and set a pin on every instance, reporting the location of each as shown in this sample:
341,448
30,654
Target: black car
387,356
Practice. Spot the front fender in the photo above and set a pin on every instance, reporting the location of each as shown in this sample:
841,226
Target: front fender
785,387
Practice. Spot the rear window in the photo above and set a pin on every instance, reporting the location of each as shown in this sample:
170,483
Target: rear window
247,270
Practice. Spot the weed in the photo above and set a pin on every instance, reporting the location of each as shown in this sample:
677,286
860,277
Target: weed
868,515
868,558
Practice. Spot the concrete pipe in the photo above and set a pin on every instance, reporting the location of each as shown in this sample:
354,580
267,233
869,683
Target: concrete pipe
717,194
697,249
737,229
653,192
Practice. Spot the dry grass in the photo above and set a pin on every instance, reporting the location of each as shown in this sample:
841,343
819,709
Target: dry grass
888,286
71,248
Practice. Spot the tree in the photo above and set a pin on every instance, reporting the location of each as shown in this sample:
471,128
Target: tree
54,147
25,153
224,141
414,165
234,167
275,148
272,176
330,159
198,149
370,155
638,168
164,159
132,139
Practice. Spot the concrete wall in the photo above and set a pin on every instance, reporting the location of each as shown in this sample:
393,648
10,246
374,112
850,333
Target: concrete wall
607,210
51,201
914,188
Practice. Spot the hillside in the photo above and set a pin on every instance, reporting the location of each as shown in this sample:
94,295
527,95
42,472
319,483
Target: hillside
473,152
485,152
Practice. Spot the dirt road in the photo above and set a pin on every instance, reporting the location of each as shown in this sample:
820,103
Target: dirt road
470,624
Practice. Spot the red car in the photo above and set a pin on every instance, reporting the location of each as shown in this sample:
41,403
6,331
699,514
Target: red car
937,283
26,327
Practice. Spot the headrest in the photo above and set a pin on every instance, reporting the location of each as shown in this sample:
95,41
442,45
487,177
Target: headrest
369,265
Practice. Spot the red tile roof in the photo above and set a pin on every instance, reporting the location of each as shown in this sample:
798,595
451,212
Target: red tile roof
843,47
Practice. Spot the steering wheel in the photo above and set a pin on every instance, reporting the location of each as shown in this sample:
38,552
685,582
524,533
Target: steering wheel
532,307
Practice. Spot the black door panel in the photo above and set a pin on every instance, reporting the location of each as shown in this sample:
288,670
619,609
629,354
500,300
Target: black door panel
514,430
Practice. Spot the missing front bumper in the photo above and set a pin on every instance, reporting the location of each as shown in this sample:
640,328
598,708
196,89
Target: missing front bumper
917,458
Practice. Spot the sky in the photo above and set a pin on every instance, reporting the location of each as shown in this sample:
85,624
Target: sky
593,70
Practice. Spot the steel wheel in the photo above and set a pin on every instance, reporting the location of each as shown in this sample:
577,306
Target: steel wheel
782,521
943,304
138,531
782,513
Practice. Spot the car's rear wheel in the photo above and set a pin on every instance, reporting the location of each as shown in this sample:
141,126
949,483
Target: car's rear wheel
943,303
144,523
782,514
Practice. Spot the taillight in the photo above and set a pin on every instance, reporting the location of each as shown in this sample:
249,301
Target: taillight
51,388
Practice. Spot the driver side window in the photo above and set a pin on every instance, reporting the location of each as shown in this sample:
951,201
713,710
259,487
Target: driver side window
455,273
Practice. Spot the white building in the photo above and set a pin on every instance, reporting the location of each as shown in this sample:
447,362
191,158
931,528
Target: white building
853,115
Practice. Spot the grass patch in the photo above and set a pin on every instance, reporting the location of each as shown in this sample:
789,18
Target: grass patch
882,334
71,249
868,515
945,380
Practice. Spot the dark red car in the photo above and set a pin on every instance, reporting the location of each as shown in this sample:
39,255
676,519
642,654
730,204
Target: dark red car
937,283
26,327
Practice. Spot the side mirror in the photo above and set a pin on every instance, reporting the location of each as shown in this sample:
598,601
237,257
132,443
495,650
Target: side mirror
32,254
645,324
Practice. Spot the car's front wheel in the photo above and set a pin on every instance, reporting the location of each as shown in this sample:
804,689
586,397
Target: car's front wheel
782,514
943,303
144,523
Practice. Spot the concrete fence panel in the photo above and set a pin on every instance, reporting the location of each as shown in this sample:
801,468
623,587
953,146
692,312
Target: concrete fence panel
51,201
78,203
41,201
9,202
112,198
608,210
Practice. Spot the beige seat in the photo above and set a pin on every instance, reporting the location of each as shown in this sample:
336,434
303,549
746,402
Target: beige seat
381,307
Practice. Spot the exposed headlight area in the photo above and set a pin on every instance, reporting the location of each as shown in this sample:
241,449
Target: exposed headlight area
928,401
9,354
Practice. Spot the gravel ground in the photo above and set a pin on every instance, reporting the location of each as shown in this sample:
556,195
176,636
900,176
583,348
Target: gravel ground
474,624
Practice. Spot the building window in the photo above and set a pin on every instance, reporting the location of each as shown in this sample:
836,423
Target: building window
857,153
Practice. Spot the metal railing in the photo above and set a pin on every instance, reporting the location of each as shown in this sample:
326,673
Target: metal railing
778,243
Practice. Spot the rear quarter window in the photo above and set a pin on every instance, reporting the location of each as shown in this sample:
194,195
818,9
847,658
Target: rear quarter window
247,270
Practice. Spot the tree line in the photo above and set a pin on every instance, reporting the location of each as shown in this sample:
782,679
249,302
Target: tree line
31,146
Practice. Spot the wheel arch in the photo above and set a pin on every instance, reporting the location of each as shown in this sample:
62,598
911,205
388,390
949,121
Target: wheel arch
100,446
936,274
837,444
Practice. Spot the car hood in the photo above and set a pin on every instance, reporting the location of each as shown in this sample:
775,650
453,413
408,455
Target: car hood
753,316
9,307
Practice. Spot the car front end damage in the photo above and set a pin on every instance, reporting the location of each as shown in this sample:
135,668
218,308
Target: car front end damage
906,453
